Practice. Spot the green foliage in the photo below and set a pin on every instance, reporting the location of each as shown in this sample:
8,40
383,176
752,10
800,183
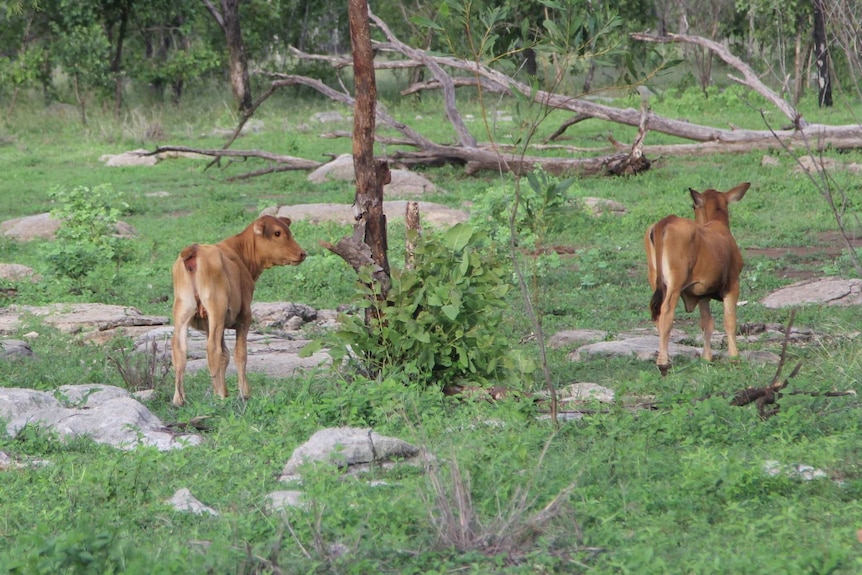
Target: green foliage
441,320
87,238
79,551
666,490
541,210
84,51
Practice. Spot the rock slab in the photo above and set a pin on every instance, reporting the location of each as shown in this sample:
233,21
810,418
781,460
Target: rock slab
104,413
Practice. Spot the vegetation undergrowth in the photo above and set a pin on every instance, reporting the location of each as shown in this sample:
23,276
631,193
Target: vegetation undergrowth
690,485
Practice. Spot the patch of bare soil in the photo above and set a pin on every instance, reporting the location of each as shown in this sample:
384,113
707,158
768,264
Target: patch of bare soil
804,261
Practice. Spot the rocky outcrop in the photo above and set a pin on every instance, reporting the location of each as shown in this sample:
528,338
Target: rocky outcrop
102,413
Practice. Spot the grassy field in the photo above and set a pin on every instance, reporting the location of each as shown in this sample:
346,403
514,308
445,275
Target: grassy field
678,489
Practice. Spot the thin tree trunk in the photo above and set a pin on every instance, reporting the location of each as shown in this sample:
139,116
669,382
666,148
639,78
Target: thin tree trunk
229,22
821,51
368,246
798,63
117,61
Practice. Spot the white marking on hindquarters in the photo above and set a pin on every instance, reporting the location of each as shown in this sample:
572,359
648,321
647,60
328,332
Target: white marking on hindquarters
666,269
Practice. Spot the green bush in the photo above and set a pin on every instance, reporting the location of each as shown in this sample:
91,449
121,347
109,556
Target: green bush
540,210
441,320
87,238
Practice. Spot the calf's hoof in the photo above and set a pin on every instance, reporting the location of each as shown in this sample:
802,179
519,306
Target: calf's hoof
663,368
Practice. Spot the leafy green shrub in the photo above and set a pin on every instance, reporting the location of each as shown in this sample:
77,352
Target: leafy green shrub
87,237
441,320
540,210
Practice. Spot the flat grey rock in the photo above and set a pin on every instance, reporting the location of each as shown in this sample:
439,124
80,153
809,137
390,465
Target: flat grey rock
645,348
429,213
573,337
345,447
103,413
828,291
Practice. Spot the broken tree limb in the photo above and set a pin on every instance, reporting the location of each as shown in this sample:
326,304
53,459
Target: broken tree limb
286,162
769,394
636,162
465,138
750,78
566,125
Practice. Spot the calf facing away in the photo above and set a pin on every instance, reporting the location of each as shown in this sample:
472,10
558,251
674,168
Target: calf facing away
698,261
213,289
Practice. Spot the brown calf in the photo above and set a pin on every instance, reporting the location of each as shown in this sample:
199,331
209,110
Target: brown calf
213,287
698,260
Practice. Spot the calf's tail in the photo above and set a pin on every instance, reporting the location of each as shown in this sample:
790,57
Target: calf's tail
190,261
659,293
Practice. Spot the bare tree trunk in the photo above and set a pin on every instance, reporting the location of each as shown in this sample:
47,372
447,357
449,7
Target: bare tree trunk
798,67
821,51
117,60
228,21
368,245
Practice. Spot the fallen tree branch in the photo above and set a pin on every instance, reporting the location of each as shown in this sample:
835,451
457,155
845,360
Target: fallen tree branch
285,162
750,78
769,394
464,136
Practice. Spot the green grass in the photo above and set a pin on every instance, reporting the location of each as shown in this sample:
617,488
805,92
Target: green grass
678,489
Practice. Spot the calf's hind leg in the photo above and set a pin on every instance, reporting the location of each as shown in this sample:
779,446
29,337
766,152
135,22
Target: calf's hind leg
707,325
664,323
217,357
179,349
240,356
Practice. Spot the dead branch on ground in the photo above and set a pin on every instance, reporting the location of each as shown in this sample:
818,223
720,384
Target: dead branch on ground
769,394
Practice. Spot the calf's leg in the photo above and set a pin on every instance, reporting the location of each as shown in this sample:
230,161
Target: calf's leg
707,324
664,323
240,356
729,302
217,358
179,348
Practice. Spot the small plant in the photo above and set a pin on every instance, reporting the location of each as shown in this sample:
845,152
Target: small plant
87,237
442,320
458,520
142,370
541,210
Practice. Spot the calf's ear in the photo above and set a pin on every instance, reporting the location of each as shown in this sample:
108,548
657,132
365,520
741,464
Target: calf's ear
286,221
696,197
736,193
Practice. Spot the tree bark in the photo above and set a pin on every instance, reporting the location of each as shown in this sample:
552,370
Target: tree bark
368,245
821,52
229,22
117,60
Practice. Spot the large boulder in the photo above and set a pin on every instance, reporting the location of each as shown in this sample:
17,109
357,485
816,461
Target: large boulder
403,182
348,448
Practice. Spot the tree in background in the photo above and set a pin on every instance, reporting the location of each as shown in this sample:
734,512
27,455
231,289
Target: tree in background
821,56
101,48
228,20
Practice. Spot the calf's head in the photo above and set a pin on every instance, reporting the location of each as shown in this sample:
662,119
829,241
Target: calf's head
711,205
274,244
